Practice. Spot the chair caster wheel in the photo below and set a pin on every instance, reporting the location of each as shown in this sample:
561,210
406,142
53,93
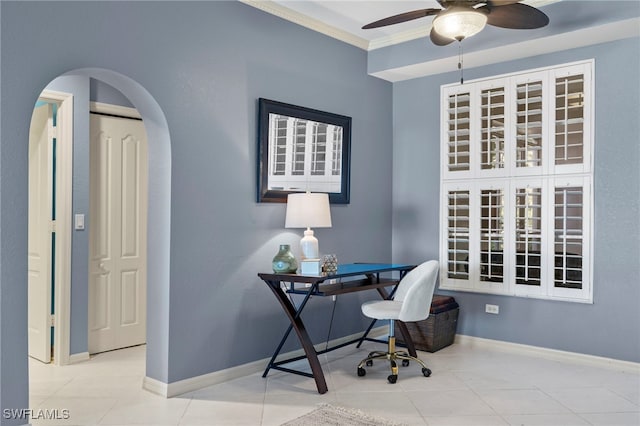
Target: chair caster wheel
405,362
392,378
369,363
426,372
361,372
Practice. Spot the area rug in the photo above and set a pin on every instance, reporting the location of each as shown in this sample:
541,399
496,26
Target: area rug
328,415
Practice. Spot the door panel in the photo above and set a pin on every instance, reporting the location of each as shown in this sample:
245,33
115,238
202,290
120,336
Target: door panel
118,213
130,197
130,298
39,239
100,175
100,311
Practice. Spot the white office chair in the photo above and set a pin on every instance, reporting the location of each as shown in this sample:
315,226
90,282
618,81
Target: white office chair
411,302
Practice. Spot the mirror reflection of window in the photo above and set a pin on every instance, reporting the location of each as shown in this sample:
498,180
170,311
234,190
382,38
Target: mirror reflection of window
304,155
278,159
299,146
319,149
336,152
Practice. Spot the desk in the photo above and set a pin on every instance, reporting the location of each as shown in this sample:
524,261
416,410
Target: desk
315,285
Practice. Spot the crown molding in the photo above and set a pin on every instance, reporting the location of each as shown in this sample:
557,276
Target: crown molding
585,37
401,37
308,22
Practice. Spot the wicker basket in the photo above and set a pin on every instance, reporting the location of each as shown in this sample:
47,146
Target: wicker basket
434,333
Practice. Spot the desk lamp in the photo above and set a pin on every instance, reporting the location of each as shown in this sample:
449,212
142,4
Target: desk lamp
307,210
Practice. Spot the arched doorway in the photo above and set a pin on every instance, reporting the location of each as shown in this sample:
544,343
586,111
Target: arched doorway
158,222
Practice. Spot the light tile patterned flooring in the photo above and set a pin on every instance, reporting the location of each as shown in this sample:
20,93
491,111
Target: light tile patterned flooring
469,386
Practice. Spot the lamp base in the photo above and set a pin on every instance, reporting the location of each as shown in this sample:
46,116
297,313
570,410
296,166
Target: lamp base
309,245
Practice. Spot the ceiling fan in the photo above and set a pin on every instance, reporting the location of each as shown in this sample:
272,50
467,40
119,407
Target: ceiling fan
463,18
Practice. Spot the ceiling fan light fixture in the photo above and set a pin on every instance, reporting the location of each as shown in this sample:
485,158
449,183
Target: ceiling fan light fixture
459,23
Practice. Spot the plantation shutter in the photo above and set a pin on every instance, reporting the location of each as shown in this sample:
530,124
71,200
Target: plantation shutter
458,235
492,138
492,234
529,101
458,132
528,235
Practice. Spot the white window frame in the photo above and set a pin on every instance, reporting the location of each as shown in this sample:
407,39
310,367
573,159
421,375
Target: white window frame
547,176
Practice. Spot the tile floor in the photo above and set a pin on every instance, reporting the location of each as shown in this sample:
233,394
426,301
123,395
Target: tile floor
469,386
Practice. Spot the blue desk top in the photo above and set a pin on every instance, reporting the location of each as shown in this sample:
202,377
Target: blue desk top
344,270
347,269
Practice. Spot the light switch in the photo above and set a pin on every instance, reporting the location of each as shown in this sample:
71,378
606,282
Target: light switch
79,222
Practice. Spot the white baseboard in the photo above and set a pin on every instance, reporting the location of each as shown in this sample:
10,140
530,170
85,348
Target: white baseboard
199,382
195,383
82,356
551,354
155,386
169,390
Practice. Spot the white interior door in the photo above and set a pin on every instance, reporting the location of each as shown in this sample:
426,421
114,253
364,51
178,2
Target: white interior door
40,228
117,233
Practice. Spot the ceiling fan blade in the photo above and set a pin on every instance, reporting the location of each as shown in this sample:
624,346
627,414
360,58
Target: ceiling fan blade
469,3
438,40
403,17
516,16
492,3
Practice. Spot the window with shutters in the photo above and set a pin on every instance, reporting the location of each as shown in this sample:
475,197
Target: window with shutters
516,179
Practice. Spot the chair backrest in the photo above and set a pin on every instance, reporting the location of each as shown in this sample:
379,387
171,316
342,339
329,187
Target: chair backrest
415,291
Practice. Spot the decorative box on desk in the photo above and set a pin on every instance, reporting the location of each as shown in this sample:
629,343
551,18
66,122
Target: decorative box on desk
439,329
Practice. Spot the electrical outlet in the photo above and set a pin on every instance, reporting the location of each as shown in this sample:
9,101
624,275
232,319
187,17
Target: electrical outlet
492,309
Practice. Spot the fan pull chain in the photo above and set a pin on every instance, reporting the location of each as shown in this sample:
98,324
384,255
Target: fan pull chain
460,62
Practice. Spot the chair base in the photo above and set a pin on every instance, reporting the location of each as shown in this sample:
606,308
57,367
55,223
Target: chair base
392,356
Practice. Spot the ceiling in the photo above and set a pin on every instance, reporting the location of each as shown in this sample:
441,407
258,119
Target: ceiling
572,24
344,19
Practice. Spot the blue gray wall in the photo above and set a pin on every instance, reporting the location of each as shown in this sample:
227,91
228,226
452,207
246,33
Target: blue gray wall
205,64
610,327
99,91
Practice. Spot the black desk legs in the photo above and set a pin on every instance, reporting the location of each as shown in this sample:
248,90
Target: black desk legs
303,336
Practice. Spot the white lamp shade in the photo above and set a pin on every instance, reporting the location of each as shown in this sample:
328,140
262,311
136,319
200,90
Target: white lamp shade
308,210
459,23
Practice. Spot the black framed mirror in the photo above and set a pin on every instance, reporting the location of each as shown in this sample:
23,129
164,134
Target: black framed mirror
302,149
